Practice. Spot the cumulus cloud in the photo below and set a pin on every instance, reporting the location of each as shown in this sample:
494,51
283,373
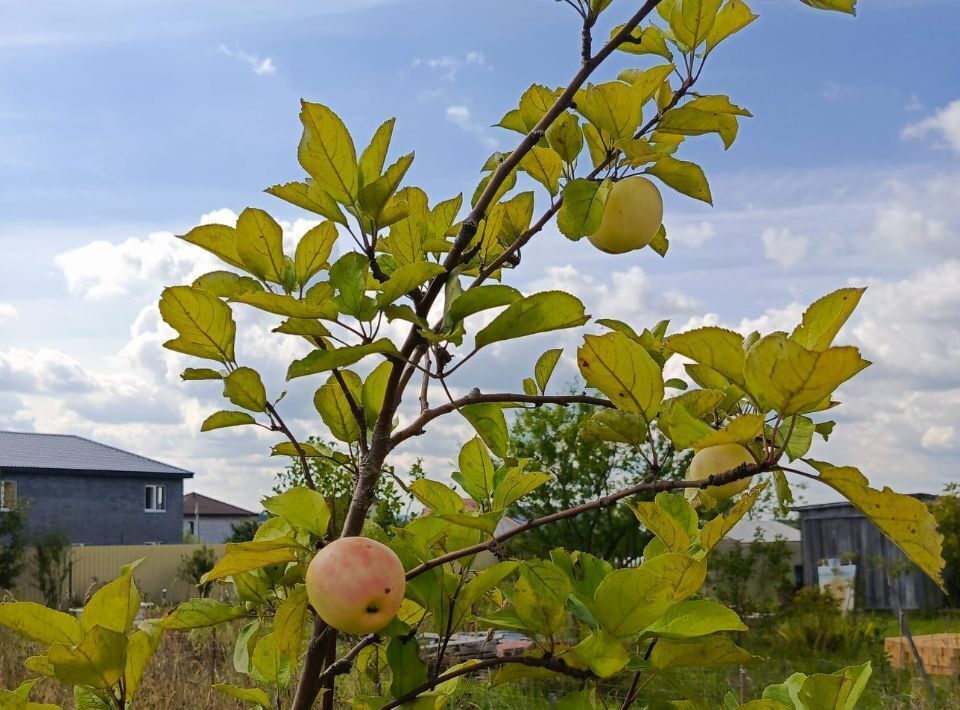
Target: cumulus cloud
784,247
938,437
944,125
260,66
449,66
691,235
8,313
461,116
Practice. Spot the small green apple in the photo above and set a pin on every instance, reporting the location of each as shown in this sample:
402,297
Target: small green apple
719,459
632,216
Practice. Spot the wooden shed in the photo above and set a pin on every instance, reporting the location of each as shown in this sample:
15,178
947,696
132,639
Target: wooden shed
840,531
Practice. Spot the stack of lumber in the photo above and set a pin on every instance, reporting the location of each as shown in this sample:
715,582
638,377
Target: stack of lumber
940,653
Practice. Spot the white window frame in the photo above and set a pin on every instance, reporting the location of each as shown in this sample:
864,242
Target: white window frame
159,502
6,506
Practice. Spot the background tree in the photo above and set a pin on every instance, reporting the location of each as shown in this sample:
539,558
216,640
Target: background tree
585,468
12,542
52,563
244,531
193,566
946,509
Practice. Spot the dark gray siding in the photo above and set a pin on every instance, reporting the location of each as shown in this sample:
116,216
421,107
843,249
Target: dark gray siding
843,532
215,529
99,510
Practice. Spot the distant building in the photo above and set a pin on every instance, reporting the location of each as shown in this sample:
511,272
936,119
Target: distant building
93,493
209,520
841,532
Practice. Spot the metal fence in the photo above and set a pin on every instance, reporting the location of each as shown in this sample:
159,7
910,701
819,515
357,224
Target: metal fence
92,566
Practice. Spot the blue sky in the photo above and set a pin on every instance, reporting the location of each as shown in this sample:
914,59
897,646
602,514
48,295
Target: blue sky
133,121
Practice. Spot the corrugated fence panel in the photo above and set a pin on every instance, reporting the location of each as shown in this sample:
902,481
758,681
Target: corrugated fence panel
93,566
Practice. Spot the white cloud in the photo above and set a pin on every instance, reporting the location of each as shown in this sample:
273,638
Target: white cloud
938,437
784,247
691,235
945,124
900,227
8,313
259,66
460,116
449,66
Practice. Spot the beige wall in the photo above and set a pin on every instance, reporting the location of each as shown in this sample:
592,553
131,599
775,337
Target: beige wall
96,565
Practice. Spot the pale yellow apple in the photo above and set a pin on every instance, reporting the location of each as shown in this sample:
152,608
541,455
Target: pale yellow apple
356,585
719,459
632,216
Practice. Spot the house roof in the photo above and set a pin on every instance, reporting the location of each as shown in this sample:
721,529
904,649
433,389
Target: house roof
923,497
196,504
74,454
746,530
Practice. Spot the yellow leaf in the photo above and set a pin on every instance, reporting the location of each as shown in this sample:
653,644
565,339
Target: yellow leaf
114,606
260,245
97,661
326,152
824,318
313,250
244,556
662,524
714,531
717,348
732,18
38,623
624,371
903,519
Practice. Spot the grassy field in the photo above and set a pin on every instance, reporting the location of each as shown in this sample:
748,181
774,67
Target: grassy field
187,664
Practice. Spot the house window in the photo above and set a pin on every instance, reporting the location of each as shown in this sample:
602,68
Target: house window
155,498
8,495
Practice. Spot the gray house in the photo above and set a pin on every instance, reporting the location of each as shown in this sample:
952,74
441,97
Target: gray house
210,520
94,493
883,577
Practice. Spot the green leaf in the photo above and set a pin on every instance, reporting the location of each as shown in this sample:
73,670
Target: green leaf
691,121
290,622
717,348
479,299
218,239
685,574
732,18
628,600
784,376
565,137
539,596
692,20
661,523
612,107
260,245
490,423
403,655
649,40
515,485
268,665
699,617
405,279
839,691
823,319
203,323
97,661
534,103
374,197
200,613
616,426
226,284
257,696
545,366
602,653
348,276
245,556
710,652
245,389
582,208
436,496
284,305
140,649
477,470
313,250
647,81
660,243
38,623
303,508
225,418
714,530
902,518
684,177
200,373
545,166
85,699
114,606
326,152
539,313
375,154
310,197
326,360
374,390
247,639
847,6
623,371
335,409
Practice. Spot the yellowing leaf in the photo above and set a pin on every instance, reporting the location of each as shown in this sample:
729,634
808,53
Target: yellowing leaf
847,6
714,530
582,208
544,166
647,81
662,524
245,389
375,154
692,20
539,313
612,107
565,137
783,376
717,348
624,371
140,649
326,152
648,40
244,556
289,623
374,197
490,423
690,121
303,508
682,572
732,18
628,600
225,418
693,618
545,366
313,250
98,660
257,696
602,653
405,279
218,239
260,245
740,430
199,613
515,485
203,322
823,319
285,305
310,197
114,606
476,470
336,410
38,623
710,652
684,177
436,496
325,360
903,519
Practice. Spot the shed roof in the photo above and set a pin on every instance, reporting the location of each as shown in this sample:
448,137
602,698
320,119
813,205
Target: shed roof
746,531
197,504
74,454
925,497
